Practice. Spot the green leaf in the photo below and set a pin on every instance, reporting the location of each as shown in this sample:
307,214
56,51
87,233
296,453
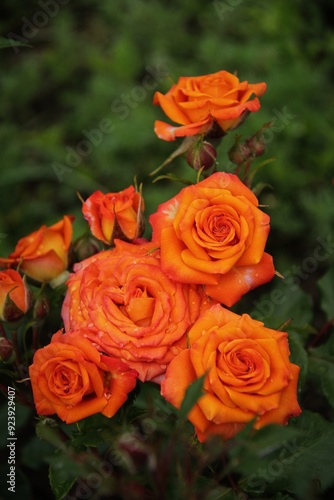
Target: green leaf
298,355
35,452
282,304
326,285
321,363
314,466
193,393
9,42
63,473
300,466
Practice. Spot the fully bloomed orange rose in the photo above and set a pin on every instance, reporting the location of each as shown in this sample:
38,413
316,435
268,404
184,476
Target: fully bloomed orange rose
15,296
249,374
115,215
71,378
201,103
130,308
213,233
43,254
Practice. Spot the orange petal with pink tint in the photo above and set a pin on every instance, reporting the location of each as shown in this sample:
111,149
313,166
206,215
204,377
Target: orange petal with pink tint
240,280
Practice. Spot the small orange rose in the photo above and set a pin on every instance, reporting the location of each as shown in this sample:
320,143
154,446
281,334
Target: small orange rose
131,309
43,254
213,233
201,103
15,296
71,378
249,374
115,215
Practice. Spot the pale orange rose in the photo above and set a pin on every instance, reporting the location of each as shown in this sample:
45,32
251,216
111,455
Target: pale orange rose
115,215
131,308
43,254
71,378
217,102
249,374
15,296
213,233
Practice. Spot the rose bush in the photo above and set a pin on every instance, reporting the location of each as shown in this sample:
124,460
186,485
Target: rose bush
43,254
248,374
200,103
213,233
115,215
15,296
71,378
130,308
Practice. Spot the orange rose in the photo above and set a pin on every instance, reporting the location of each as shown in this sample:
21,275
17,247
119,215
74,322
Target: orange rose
15,296
71,378
115,215
42,255
249,374
200,103
131,308
214,234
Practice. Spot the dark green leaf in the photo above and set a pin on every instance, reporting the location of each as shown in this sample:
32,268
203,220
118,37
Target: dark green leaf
284,303
9,42
193,393
326,285
298,355
63,472
297,466
35,452
321,363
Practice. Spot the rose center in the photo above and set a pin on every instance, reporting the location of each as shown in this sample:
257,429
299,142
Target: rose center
65,381
139,306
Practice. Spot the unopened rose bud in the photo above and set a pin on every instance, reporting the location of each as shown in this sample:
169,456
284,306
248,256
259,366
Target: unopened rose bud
15,296
256,145
7,354
41,308
201,154
115,215
85,247
239,153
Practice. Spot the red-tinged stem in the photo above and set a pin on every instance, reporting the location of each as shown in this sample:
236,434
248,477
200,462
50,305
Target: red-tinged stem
16,347
321,333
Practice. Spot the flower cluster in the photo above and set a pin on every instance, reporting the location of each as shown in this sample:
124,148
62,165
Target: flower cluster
156,309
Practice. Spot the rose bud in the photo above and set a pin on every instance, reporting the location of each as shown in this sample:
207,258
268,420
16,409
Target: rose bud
239,152
41,307
85,247
43,254
115,215
256,144
201,154
15,296
7,354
